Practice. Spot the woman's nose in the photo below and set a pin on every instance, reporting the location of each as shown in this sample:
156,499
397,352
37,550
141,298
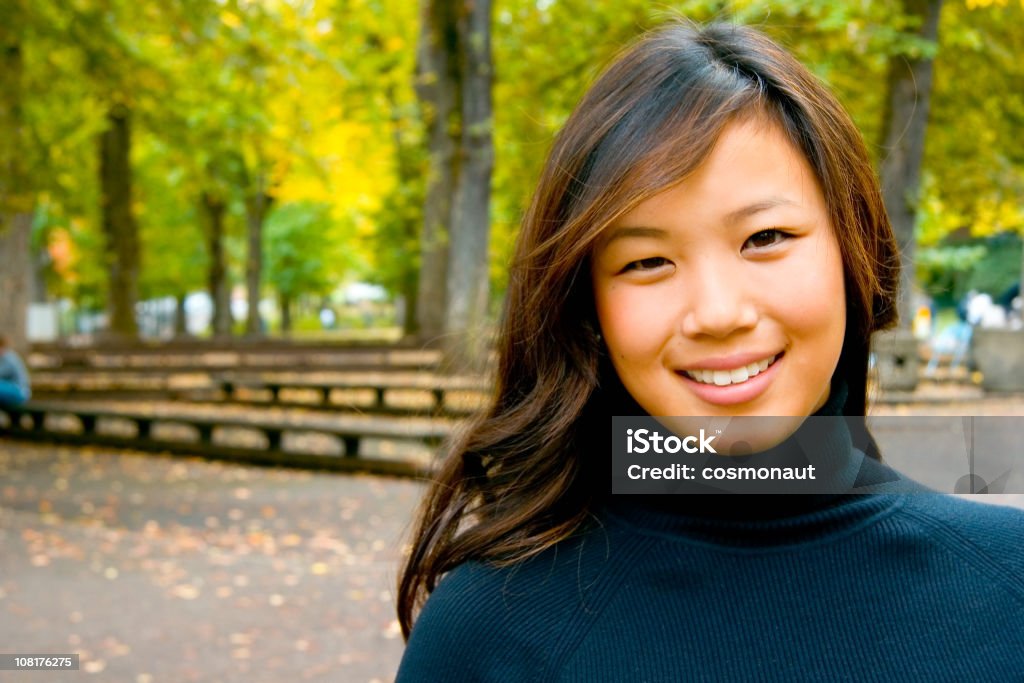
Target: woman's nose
719,302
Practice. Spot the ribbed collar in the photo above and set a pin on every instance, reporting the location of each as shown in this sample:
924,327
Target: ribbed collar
762,520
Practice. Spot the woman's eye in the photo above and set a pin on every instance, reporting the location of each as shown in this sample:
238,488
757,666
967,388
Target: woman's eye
765,238
646,264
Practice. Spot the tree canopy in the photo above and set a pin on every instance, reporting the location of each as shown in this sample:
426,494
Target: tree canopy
314,106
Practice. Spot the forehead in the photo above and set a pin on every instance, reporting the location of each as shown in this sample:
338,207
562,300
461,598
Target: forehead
753,167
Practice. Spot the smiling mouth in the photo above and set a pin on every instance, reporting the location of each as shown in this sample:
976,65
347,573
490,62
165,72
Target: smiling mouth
723,378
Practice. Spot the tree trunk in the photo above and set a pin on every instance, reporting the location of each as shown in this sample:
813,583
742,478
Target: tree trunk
40,261
466,345
217,280
256,207
15,278
16,198
286,313
119,228
180,317
903,134
410,293
437,87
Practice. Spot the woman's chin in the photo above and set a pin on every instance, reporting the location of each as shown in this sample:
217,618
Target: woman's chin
736,434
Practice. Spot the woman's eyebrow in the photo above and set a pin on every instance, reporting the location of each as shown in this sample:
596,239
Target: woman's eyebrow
730,218
637,231
756,207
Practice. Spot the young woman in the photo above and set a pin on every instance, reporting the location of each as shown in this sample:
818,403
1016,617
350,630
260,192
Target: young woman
707,238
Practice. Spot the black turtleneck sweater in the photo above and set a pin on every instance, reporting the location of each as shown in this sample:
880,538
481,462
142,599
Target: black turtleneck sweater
871,587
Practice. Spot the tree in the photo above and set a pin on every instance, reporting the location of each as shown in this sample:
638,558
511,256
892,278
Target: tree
400,217
468,285
257,60
380,95
54,62
904,124
260,54
119,225
455,84
125,73
437,85
976,180
218,285
299,253
257,205
174,257
217,121
16,197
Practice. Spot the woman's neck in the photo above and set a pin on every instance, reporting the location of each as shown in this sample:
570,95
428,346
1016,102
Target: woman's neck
832,440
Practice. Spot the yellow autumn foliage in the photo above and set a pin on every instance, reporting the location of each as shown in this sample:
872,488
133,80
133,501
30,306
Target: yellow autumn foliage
996,215
346,170
978,4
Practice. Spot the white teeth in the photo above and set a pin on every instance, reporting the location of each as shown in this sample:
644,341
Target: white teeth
726,377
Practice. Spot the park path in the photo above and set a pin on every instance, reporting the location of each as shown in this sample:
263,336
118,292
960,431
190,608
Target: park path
175,569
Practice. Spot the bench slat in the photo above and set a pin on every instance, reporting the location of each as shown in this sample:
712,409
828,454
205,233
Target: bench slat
274,454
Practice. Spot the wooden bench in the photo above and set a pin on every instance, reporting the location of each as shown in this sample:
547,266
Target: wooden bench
30,422
438,388
227,389
181,365
233,353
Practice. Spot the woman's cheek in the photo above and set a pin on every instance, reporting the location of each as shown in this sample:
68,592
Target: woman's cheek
812,306
809,290
636,321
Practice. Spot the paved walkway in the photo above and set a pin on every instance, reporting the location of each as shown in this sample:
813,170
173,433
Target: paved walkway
169,569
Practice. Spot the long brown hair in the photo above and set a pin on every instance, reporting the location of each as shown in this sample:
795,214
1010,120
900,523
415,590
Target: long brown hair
526,473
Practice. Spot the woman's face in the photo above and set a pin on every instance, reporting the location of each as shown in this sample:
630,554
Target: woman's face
723,295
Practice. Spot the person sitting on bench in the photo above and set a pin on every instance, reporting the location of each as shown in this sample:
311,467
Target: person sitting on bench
14,383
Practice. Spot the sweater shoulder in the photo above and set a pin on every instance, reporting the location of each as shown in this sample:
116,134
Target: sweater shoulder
463,631
512,623
998,527
987,535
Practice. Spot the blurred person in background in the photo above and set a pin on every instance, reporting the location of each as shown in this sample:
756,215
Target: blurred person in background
14,383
